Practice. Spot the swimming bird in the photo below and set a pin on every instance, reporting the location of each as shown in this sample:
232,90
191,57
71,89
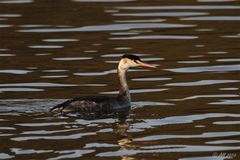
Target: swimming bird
104,104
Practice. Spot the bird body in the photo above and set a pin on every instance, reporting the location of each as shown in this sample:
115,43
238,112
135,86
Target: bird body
92,104
104,104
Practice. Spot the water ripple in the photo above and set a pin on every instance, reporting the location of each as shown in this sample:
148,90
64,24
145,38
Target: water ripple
122,48
193,62
219,68
162,14
47,46
33,25
140,21
179,7
89,122
217,52
5,25
123,33
69,154
228,60
20,90
72,58
37,84
168,149
150,123
229,89
227,102
96,73
55,70
201,83
184,37
6,55
16,1
15,71
41,124
99,145
223,141
110,27
203,135
28,151
7,128
72,136
213,18
57,76
226,122
148,103
5,156
206,96
60,40
10,15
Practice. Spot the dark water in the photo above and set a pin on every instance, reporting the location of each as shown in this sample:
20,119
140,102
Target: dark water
186,109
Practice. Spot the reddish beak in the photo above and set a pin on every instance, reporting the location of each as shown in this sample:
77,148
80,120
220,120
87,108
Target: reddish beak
145,64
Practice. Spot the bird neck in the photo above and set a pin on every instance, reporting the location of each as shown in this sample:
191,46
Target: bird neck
123,90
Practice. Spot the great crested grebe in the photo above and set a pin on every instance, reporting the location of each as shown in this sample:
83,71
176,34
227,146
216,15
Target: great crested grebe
103,104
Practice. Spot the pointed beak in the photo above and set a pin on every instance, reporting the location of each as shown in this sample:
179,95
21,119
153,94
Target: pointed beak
142,64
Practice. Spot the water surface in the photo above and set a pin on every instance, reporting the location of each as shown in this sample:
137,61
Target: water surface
186,109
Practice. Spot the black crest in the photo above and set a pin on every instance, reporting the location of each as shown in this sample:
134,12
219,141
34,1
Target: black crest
131,56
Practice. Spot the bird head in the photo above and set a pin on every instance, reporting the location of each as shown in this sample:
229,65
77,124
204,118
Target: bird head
128,61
